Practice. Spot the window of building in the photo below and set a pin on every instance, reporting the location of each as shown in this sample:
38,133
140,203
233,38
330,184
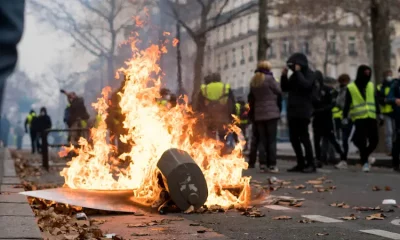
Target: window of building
352,46
251,56
271,50
233,57
305,47
249,23
242,61
226,60
241,30
332,44
286,47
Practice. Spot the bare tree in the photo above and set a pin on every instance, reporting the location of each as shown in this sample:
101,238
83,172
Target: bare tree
199,18
262,30
93,25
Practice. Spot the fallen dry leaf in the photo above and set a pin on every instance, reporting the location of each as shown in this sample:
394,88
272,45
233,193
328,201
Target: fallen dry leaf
387,188
351,217
140,234
339,205
282,218
376,188
284,203
306,221
301,186
137,225
307,192
376,216
315,182
298,204
322,234
286,183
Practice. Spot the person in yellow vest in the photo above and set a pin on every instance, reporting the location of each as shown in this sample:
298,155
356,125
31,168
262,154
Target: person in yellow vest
165,97
386,108
30,123
217,102
241,112
362,107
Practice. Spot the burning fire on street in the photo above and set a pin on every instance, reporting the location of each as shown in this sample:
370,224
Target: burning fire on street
152,129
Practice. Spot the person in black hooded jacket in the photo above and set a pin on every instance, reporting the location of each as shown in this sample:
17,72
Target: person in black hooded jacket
322,122
300,109
43,123
366,136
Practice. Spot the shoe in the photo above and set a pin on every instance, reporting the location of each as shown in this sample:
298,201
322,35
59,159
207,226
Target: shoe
366,168
273,169
263,168
296,168
371,160
310,169
319,164
341,165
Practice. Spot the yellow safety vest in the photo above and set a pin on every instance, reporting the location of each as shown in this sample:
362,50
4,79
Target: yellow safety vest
216,91
337,113
30,118
98,119
387,108
361,108
163,102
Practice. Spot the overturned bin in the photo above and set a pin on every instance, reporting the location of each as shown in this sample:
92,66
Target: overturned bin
183,179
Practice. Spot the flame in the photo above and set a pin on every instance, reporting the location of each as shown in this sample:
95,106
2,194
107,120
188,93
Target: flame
153,129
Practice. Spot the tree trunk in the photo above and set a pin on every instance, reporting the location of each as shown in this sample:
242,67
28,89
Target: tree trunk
198,67
179,58
380,26
262,30
110,71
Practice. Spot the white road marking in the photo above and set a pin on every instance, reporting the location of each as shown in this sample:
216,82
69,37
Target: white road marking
323,219
277,207
382,233
396,222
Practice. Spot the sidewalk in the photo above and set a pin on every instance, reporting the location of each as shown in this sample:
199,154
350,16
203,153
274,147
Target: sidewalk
17,220
285,152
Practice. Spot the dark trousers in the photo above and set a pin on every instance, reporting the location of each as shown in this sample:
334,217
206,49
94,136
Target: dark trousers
338,128
346,132
327,134
366,137
19,142
34,141
298,134
396,146
268,132
256,147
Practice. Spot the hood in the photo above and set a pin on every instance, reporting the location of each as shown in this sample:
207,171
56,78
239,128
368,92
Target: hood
297,58
43,109
363,78
319,77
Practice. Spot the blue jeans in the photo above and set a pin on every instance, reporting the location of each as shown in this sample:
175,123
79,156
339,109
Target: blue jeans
389,127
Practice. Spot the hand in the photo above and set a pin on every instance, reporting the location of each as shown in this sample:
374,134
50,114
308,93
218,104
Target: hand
398,102
297,67
285,71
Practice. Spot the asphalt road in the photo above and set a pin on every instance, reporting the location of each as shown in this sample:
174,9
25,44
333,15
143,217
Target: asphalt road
352,187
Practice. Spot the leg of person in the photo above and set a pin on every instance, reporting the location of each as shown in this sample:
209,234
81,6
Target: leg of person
19,142
325,147
304,137
317,144
253,146
396,148
295,141
33,141
338,128
372,137
346,132
272,131
262,131
360,141
388,132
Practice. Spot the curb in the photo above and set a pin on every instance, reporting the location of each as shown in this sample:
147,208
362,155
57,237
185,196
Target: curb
381,161
15,210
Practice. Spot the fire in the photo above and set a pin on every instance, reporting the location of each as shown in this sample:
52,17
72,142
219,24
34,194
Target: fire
153,129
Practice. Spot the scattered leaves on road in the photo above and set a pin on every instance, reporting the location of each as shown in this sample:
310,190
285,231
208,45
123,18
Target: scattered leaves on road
139,234
387,188
351,217
301,186
314,182
364,209
282,218
306,221
194,224
253,212
376,188
307,192
322,234
376,216
339,205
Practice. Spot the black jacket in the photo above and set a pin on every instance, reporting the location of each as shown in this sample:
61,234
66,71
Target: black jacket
323,109
361,82
299,87
43,122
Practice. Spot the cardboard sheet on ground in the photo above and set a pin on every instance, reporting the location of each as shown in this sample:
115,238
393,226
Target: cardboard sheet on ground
118,201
